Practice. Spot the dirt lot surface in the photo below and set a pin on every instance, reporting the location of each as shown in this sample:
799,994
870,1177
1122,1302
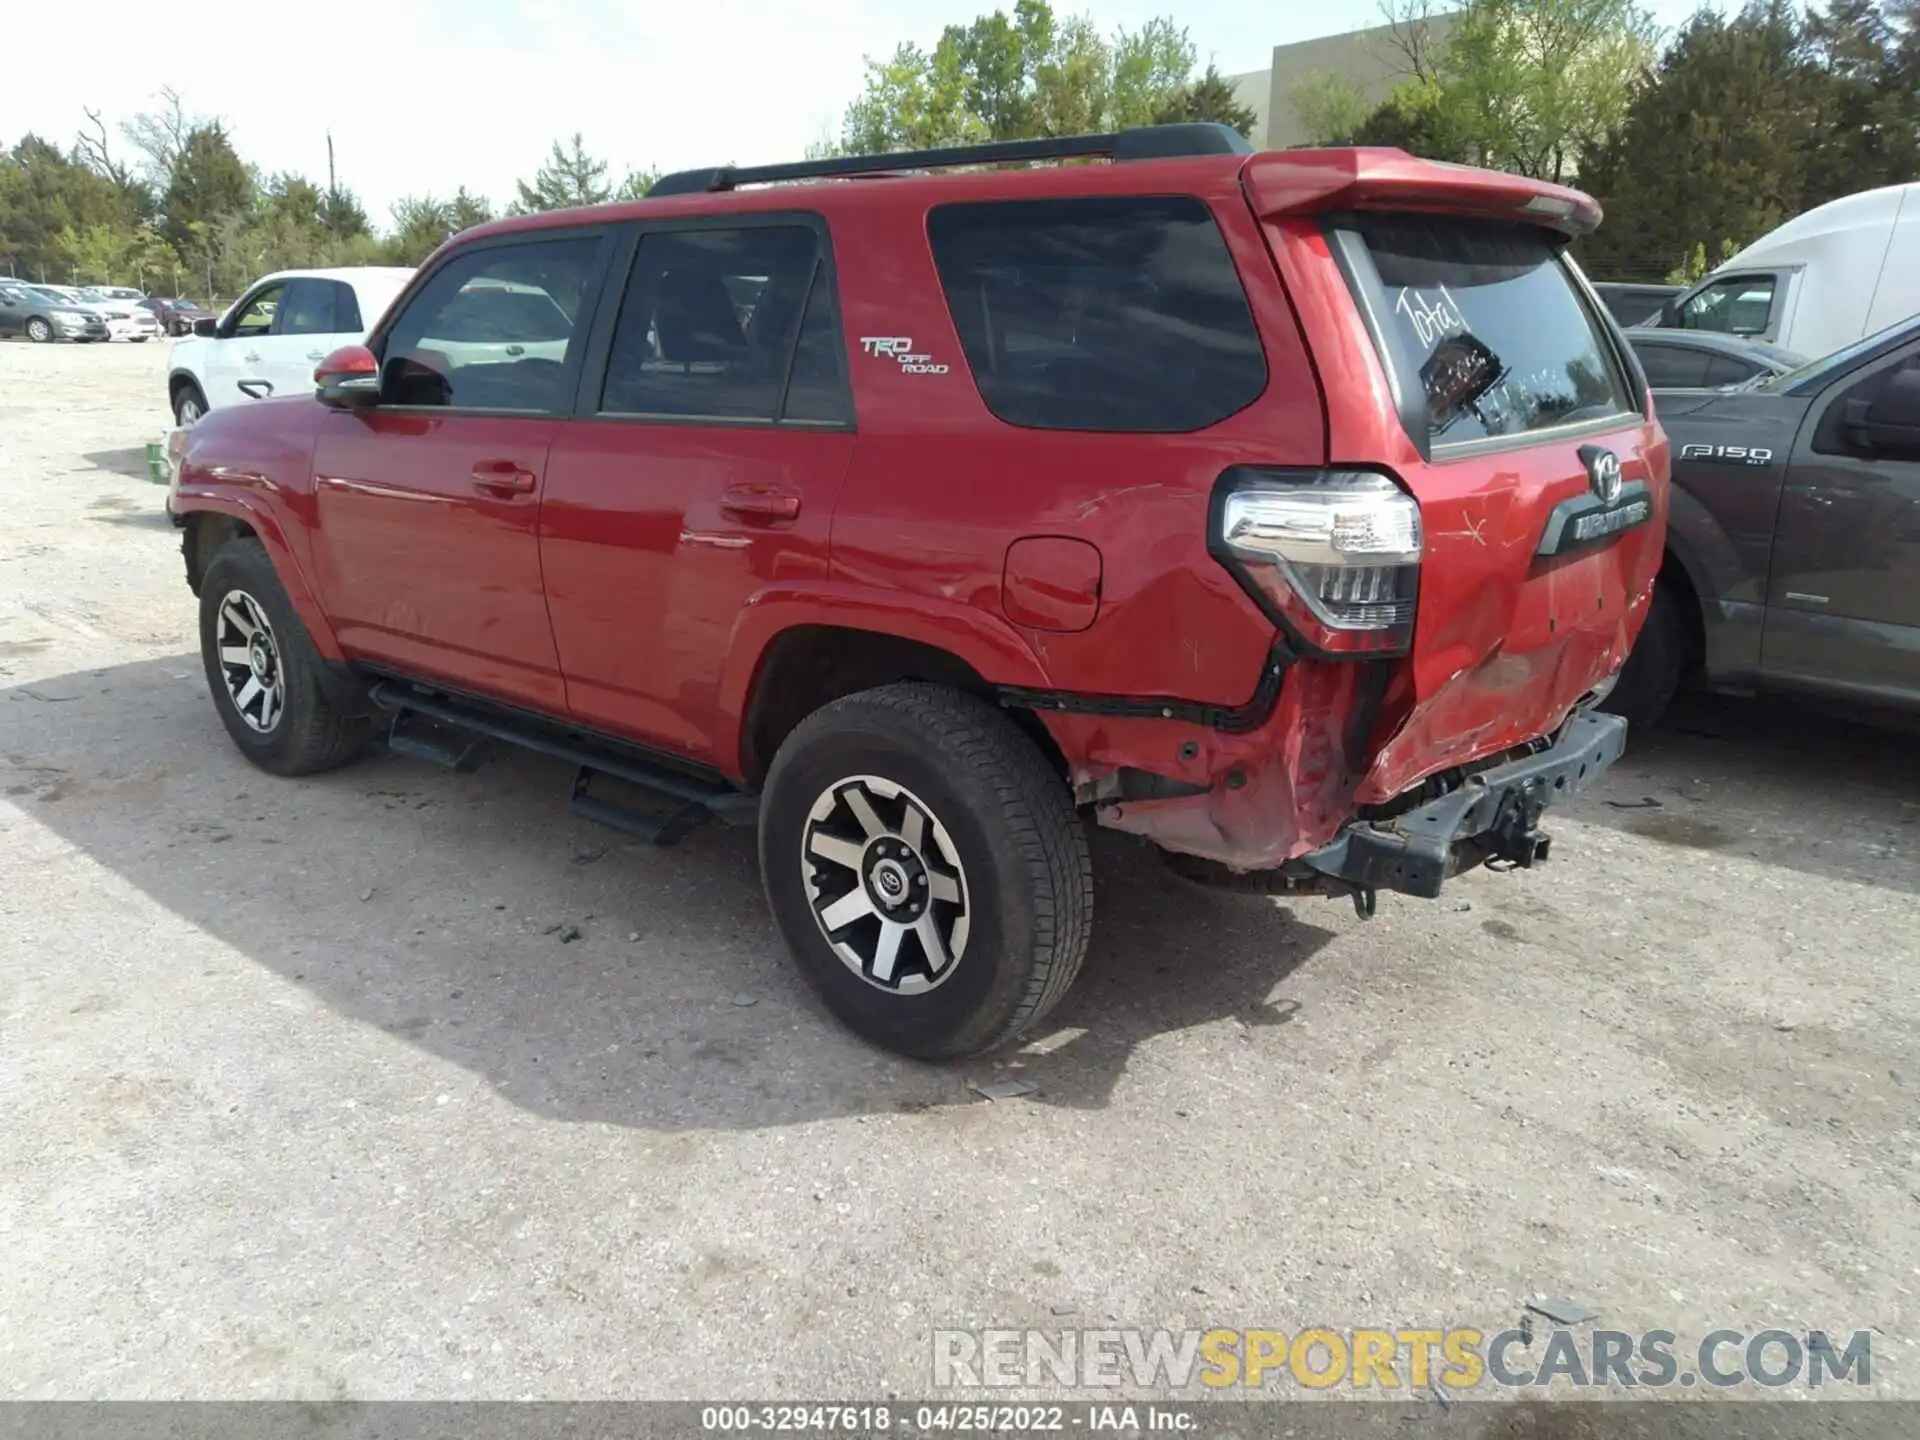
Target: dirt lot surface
303,1093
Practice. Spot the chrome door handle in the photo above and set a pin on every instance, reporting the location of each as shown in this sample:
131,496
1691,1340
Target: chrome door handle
316,355
252,358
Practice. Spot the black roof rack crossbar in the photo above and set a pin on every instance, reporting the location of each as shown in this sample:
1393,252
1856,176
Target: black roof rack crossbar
1146,142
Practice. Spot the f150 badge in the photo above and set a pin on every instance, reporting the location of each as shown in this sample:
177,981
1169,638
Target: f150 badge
1727,454
900,348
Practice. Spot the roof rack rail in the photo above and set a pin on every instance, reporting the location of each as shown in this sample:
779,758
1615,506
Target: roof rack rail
1144,142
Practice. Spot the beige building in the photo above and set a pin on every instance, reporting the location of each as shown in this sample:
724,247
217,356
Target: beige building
1373,60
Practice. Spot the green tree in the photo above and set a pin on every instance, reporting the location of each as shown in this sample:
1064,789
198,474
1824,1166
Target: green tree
210,185
341,214
47,200
1532,86
1717,143
1030,74
636,185
1149,64
1330,107
912,101
1211,97
467,210
570,178
421,225
1870,56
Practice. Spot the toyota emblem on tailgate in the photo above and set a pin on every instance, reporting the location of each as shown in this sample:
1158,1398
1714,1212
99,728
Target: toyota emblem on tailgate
1603,472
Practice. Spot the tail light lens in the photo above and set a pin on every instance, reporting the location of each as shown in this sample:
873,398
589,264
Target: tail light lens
1332,555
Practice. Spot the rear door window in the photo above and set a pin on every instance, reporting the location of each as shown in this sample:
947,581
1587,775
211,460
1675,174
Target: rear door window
1672,367
319,307
1121,314
1482,327
711,328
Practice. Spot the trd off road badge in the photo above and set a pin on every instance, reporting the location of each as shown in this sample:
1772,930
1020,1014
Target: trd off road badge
900,348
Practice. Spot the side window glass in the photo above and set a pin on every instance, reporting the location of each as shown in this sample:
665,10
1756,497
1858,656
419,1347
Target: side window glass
818,387
1726,370
707,325
494,329
1672,367
345,316
307,309
1891,393
257,319
1738,305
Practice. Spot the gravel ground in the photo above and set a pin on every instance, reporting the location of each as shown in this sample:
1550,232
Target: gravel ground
302,1095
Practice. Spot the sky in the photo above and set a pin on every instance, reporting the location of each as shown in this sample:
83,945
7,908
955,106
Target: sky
423,96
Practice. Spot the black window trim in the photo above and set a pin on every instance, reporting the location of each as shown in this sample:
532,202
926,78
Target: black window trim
1233,263
586,402
591,296
1351,255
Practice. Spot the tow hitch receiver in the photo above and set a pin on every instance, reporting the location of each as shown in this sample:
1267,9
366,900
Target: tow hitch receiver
1493,818
1516,839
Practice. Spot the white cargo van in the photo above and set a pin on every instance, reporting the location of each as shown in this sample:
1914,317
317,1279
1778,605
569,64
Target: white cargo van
1822,280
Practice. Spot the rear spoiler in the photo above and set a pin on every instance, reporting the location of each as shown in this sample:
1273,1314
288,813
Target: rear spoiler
1307,182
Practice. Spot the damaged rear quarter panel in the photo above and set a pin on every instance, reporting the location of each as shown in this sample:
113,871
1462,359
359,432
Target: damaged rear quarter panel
1274,792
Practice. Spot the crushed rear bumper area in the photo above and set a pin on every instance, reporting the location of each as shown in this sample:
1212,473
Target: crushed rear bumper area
1492,817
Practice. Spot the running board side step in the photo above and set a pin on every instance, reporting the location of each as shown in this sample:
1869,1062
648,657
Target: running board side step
447,731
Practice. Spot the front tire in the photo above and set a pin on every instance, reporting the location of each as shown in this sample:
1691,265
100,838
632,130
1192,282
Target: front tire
264,673
926,868
39,331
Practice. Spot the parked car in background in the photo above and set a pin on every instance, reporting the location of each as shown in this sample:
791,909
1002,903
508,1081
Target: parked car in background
1793,552
1703,360
1842,271
1634,304
126,320
1291,511
176,316
42,315
271,338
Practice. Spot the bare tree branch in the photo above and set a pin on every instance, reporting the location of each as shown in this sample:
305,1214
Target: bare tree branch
161,134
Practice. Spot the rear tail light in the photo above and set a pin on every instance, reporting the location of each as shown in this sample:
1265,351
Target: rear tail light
1332,555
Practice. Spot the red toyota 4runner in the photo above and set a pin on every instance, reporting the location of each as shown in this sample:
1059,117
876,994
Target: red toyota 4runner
1291,510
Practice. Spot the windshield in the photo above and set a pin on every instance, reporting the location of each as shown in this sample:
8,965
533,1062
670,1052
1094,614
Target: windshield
1840,359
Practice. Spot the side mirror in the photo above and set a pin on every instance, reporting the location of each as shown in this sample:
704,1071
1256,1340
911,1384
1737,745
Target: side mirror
348,379
1889,424
208,328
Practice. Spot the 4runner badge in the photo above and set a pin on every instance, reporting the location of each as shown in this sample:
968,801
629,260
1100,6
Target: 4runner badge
900,348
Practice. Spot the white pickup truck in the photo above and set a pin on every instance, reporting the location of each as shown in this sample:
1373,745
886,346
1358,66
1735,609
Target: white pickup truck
269,340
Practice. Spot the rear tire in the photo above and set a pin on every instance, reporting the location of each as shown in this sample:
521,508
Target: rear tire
1653,672
927,869
265,675
189,405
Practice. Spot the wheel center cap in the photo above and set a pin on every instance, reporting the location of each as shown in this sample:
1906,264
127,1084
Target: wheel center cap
890,880
260,660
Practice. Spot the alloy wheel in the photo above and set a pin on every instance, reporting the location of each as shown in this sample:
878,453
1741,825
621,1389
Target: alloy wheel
250,662
885,884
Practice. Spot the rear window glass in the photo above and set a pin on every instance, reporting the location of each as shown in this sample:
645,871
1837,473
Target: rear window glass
1481,319
1099,314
